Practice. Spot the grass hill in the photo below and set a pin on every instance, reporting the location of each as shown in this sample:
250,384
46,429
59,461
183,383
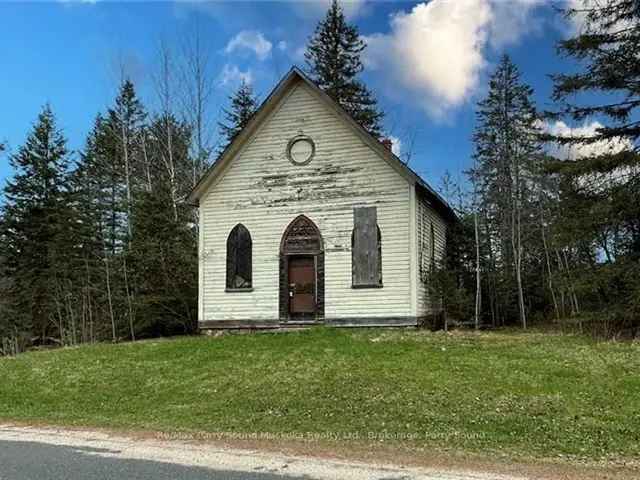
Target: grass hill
523,395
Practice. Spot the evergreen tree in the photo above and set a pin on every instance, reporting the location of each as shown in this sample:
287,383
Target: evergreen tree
243,104
169,158
121,159
124,125
164,258
12,333
506,141
598,221
94,207
451,278
163,250
36,221
333,60
609,48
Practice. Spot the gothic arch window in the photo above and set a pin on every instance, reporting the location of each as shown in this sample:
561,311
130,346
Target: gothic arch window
366,249
239,259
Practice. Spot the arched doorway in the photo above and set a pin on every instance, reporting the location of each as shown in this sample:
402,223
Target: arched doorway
301,272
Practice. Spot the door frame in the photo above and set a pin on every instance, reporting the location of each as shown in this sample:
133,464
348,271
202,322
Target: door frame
301,238
315,281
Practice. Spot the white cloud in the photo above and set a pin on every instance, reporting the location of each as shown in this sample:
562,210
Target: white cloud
512,20
232,74
315,9
437,50
578,22
250,40
282,45
597,182
396,145
575,152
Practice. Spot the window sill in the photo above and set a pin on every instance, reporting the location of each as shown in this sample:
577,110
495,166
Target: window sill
374,285
238,290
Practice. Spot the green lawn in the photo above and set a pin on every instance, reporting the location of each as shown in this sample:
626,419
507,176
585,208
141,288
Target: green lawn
521,395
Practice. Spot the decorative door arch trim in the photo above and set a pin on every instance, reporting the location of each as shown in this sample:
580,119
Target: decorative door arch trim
301,238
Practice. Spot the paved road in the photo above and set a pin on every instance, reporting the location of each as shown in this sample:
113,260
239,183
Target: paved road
39,461
28,453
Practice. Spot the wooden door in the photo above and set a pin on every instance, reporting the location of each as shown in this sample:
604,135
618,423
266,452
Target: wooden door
302,286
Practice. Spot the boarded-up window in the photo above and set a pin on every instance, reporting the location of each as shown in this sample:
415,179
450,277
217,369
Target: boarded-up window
428,256
366,248
239,258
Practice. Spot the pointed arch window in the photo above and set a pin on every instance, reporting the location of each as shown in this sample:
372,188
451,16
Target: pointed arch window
366,249
239,259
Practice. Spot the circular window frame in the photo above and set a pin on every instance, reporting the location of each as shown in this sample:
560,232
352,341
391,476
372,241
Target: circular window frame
299,138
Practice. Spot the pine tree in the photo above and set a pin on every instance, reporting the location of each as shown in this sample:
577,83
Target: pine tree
609,48
99,199
124,129
93,204
163,250
11,331
243,104
598,220
36,221
169,157
164,258
333,61
506,141
124,124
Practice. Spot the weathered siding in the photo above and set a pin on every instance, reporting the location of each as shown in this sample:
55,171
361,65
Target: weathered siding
264,191
426,216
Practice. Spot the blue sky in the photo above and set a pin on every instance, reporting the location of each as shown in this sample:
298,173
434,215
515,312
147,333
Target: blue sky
427,62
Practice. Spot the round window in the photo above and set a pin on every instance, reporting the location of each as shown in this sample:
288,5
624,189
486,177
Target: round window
301,150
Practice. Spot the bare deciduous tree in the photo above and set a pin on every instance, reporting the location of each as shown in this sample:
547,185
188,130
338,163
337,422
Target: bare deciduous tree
197,97
164,81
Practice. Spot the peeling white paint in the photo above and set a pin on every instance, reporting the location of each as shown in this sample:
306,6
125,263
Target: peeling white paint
264,191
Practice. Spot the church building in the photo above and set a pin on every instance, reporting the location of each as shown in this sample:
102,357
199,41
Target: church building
306,218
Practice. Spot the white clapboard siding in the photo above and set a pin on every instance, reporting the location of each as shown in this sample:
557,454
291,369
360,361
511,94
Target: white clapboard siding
264,191
427,216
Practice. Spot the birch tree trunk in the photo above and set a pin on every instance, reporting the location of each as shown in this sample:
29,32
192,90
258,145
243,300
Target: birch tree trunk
491,274
572,290
124,139
478,279
198,88
129,299
145,159
566,291
110,299
516,234
164,88
548,264
89,303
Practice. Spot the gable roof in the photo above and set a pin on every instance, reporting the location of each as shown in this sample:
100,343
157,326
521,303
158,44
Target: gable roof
292,78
